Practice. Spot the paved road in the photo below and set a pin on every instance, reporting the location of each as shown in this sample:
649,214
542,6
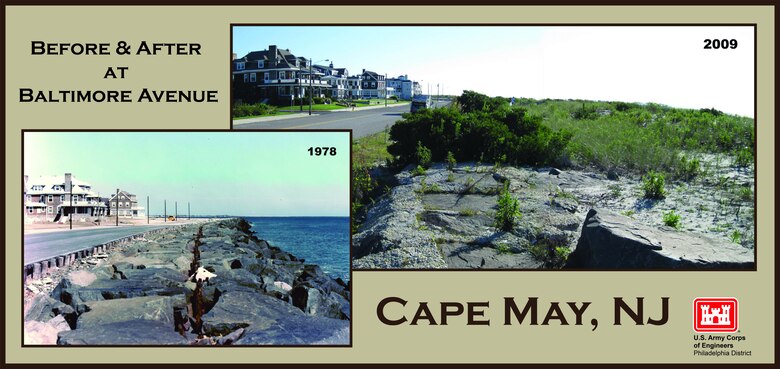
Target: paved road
361,122
42,246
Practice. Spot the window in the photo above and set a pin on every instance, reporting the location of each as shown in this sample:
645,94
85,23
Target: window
246,77
57,188
120,204
127,204
240,66
37,188
29,210
253,77
261,64
62,198
373,84
51,198
282,75
266,76
50,210
29,198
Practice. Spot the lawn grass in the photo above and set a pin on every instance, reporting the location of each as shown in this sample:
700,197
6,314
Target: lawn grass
264,115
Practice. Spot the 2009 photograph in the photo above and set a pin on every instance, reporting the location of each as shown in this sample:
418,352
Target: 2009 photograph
521,147
206,238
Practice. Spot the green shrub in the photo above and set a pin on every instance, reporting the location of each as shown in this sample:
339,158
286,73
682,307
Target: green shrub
672,219
248,110
736,236
451,161
418,171
483,127
744,158
423,155
508,212
654,186
688,169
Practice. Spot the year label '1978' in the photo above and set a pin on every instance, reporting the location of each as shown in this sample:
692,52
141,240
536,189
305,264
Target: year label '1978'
720,44
322,151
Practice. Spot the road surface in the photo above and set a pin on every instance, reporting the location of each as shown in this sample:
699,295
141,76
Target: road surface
361,122
42,246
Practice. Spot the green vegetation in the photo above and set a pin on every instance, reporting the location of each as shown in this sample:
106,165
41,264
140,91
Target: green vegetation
253,110
508,212
467,212
643,137
480,128
451,163
366,152
554,256
615,190
369,150
423,155
504,248
418,171
654,186
736,236
687,169
672,219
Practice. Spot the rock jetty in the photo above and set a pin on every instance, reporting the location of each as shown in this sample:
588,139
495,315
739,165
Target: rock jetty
148,293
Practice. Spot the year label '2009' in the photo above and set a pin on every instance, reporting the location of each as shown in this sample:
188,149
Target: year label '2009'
720,44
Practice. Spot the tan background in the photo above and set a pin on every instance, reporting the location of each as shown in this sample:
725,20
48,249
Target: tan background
374,342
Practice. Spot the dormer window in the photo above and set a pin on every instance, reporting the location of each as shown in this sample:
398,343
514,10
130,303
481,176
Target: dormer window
261,64
240,65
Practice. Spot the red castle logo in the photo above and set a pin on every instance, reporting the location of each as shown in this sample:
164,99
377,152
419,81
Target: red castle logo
715,314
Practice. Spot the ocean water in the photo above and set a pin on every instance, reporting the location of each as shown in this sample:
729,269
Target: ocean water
319,240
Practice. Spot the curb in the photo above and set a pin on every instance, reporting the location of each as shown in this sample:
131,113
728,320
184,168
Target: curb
38,269
270,118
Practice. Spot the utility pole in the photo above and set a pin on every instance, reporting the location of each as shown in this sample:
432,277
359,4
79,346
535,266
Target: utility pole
188,211
165,210
310,87
147,209
116,199
71,204
175,210
385,90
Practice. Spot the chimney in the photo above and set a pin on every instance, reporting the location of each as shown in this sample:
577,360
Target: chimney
331,64
234,56
272,56
364,70
68,183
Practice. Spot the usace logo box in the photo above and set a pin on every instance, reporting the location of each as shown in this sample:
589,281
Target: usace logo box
715,314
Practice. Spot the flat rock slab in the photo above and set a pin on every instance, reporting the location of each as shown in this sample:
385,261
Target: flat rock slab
155,308
464,256
267,321
135,332
612,241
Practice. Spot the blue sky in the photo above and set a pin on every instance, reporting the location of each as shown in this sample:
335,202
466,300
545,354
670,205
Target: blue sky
665,65
219,173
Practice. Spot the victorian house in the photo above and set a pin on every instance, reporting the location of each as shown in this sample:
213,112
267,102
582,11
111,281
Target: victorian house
54,198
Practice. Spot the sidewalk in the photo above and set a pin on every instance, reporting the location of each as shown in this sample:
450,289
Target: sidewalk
272,118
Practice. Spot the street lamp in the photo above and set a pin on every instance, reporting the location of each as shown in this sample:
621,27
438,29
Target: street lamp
310,81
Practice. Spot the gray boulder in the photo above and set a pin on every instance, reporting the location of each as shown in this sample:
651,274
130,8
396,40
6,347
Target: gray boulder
612,241
133,332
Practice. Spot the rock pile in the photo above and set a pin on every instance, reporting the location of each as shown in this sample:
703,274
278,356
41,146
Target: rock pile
613,241
445,219
143,294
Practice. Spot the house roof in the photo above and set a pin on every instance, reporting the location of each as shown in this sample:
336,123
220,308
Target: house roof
49,182
123,193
